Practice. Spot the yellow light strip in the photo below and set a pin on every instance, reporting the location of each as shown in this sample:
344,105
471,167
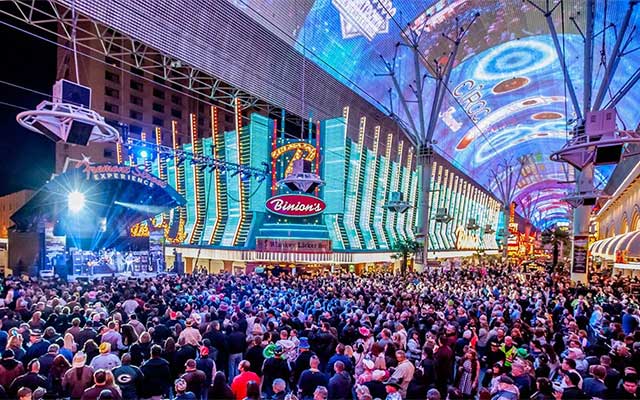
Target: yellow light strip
196,171
216,174
240,184
119,153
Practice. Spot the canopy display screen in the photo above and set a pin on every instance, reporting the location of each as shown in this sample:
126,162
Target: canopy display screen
506,98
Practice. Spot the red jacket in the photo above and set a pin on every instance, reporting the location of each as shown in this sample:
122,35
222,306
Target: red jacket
239,384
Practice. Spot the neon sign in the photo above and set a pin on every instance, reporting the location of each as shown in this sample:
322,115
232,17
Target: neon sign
303,150
295,205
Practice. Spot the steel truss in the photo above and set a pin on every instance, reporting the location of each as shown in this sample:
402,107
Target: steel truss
99,42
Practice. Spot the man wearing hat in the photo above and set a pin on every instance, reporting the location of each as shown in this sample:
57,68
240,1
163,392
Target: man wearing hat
10,368
105,360
392,387
79,377
208,366
273,368
37,347
507,390
302,361
196,379
190,335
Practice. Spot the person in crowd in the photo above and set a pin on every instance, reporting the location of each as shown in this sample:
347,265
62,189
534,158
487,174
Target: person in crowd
253,391
220,389
10,368
106,359
102,380
182,392
239,384
279,389
79,378
340,383
196,379
56,375
321,393
156,374
128,377
275,366
530,325
31,379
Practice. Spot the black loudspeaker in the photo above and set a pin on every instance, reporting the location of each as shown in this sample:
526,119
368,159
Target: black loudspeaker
608,154
589,201
79,133
44,128
70,92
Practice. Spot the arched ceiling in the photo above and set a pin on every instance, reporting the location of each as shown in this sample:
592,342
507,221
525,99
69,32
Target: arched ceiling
506,98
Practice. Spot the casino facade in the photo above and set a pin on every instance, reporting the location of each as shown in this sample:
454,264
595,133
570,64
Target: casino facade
234,221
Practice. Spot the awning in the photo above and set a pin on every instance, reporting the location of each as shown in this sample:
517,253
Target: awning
116,196
607,248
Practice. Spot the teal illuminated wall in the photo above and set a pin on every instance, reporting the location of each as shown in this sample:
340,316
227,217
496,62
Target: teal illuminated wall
360,169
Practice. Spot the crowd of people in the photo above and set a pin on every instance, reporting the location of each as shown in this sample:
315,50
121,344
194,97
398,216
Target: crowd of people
489,332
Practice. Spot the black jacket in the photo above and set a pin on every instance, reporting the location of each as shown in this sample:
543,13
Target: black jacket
157,378
340,386
30,380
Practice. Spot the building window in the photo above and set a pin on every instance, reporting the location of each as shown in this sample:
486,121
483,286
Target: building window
158,79
108,153
176,113
137,71
111,77
158,93
135,85
135,100
201,121
112,108
200,107
158,107
135,115
111,92
157,121
228,118
176,99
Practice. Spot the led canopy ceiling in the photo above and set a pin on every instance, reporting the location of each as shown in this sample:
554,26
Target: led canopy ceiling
506,97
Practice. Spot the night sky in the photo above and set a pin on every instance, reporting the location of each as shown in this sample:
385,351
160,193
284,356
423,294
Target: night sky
26,158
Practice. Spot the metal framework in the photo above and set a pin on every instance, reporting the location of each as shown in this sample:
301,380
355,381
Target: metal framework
579,150
421,132
506,176
204,162
99,42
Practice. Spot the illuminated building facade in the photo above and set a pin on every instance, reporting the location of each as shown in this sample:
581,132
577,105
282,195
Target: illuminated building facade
239,218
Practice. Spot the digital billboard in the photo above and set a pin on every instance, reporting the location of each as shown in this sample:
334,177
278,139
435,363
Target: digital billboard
506,97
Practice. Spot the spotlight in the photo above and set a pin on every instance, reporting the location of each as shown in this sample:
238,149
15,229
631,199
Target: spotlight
144,154
260,178
245,176
75,201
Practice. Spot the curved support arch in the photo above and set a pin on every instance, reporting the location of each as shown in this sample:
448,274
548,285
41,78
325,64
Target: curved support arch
635,218
624,223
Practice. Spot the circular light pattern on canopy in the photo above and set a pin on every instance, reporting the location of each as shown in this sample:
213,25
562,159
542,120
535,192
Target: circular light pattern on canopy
547,115
509,85
515,58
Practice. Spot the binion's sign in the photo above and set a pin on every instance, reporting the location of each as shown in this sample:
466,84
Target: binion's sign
295,205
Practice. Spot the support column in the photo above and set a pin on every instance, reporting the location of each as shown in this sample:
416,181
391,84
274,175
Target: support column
506,210
581,216
425,161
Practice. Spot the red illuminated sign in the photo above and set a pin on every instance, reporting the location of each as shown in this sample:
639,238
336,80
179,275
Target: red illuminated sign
295,205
